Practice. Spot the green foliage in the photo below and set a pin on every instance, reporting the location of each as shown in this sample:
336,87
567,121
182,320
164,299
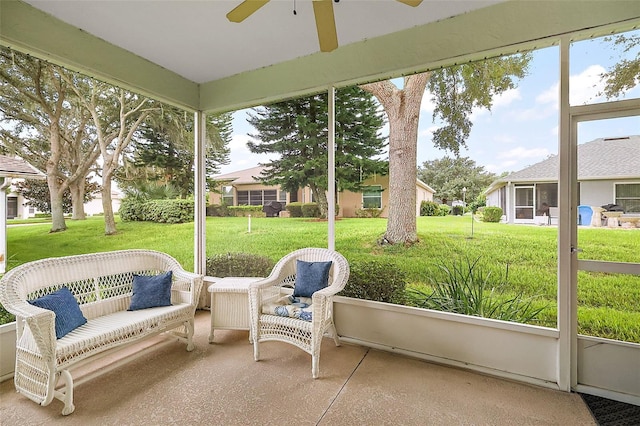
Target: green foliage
160,211
244,211
5,316
457,210
491,214
608,304
444,210
310,210
294,209
480,201
239,265
457,89
429,208
377,280
218,210
297,129
462,287
449,176
623,76
369,212
36,192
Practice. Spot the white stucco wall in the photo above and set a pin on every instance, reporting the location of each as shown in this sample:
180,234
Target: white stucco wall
596,193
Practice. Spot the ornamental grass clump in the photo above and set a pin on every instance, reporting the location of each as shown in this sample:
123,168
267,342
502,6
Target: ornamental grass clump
463,287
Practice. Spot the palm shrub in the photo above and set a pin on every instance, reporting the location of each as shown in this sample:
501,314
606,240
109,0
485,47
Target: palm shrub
377,280
463,287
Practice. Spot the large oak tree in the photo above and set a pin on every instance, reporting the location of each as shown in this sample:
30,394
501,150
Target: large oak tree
455,91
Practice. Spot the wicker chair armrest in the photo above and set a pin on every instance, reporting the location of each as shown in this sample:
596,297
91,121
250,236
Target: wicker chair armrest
189,282
43,329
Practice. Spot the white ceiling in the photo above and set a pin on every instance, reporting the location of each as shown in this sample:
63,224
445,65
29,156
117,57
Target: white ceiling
195,40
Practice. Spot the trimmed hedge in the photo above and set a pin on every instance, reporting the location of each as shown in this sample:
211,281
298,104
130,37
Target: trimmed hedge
429,208
239,265
457,210
243,211
161,211
294,209
377,280
310,210
491,214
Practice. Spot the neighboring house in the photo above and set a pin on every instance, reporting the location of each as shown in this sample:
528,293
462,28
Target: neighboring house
11,169
244,188
94,206
608,173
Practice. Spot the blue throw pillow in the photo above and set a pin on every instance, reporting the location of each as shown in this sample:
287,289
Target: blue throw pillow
151,291
65,306
310,277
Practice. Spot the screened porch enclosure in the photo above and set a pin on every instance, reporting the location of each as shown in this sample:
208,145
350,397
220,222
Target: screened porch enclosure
115,47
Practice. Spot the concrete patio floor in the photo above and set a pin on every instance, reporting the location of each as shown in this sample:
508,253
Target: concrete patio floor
220,384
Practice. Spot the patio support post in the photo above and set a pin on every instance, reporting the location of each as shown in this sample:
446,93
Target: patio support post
331,147
567,256
4,186
200,217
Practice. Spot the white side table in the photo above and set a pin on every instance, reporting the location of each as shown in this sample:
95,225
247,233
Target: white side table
229,303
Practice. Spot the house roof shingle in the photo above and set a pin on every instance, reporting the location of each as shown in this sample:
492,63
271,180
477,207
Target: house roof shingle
604,158
18,168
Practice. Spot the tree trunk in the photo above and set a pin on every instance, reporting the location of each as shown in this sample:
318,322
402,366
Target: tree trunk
77,199
57,213
321,199
403,111
107,206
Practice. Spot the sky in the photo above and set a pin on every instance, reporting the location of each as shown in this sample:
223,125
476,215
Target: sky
522,127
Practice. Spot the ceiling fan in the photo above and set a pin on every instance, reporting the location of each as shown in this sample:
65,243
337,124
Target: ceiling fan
322,9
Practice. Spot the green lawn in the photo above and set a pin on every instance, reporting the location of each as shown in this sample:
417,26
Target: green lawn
609,306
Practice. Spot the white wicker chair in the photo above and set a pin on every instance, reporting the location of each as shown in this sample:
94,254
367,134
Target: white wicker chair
307,335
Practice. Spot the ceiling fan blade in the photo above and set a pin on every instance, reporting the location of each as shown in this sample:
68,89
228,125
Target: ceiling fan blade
412,3
245,9
326,25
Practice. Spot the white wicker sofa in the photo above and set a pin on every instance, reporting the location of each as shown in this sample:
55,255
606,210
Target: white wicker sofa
102,285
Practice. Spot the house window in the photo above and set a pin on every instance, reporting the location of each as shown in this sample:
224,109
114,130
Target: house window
227,195
256,197
524,202
243,198
628,196
372,197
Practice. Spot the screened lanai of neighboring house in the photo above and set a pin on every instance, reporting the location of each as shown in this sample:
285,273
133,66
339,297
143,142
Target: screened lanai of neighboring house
188,54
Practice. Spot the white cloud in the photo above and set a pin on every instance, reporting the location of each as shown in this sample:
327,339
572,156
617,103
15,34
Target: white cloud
583,88
427,105
241,157
499,168
522,152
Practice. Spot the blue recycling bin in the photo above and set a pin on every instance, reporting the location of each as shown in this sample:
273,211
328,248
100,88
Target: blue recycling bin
584,215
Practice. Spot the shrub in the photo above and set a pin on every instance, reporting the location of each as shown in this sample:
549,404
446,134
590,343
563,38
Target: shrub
444,210
429,208
244,211
310,210
218,210
464,288
294,209
377,280
160,211
369,212
169,211
457,210
239,265
491,214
